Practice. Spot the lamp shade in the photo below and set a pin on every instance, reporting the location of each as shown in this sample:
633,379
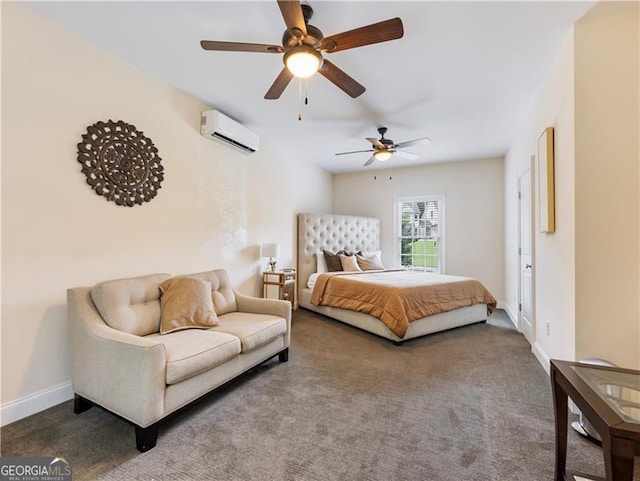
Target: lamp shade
269,250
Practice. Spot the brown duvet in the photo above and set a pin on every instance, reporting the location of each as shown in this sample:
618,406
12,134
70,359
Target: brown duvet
397,297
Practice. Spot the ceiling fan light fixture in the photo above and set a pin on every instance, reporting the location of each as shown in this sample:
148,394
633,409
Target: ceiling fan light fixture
303,61
382,155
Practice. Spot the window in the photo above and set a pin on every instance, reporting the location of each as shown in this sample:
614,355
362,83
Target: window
420,233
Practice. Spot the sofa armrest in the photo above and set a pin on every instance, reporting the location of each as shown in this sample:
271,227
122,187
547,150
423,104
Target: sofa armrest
259,305
119,371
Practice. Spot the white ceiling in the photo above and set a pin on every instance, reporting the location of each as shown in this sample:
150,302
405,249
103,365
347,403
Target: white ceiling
465,74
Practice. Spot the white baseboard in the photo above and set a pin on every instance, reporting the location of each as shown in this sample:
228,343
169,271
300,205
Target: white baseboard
545,361
510,312
542,357
34,403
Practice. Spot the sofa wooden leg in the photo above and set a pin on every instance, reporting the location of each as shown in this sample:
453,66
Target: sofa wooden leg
80,404
283,356
146,437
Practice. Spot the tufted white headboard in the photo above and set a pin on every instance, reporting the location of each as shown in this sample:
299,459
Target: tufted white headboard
332,232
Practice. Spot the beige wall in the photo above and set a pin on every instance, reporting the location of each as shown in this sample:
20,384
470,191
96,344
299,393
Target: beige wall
607,185
587,274
554,282
212,210
474,203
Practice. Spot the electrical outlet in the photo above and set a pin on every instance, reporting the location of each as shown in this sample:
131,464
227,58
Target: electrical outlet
548,326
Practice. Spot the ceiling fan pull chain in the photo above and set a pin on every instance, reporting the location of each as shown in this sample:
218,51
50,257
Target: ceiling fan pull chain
300,98
303,101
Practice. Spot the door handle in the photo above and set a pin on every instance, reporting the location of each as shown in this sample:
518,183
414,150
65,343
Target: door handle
528,266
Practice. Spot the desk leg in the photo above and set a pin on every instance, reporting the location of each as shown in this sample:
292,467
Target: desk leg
618,458
560,407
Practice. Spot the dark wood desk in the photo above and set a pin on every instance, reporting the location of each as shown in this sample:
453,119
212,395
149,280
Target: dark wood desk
610,400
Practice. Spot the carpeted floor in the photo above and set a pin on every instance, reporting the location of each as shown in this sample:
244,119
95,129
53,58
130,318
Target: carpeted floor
468,404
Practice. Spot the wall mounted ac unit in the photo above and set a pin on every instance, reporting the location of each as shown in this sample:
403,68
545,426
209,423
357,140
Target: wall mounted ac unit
216,125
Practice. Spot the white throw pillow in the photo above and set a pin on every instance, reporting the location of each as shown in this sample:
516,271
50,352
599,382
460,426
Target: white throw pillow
349,263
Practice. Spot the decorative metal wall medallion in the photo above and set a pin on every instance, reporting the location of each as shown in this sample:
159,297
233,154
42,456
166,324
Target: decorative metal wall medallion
120,163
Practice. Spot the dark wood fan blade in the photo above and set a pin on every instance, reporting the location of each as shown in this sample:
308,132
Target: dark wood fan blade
423,140
376,143
341,79
279,85
406,155
292,14
369,162
359,37
355,152
240,47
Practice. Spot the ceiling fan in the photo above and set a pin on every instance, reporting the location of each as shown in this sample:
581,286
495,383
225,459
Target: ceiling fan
385,148
304,44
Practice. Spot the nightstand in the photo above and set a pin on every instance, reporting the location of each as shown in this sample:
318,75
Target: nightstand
280,285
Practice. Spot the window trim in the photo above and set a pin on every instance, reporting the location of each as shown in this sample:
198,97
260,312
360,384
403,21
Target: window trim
397,230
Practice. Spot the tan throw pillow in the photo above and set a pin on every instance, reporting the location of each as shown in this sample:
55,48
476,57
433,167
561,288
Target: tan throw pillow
186,304
349,263
372,263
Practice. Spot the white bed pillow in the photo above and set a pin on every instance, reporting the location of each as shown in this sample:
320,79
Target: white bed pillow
349,263
311,282
370,254
321,263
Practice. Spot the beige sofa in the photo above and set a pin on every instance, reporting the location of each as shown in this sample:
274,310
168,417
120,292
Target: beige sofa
120,361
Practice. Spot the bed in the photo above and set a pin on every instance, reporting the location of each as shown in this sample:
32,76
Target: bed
317,232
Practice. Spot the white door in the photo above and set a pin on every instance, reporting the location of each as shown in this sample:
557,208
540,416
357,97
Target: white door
525,316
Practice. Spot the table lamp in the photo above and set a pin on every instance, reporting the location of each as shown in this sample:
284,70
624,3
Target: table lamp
270,250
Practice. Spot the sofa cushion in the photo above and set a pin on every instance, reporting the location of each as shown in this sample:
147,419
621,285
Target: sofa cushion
190,352
253,330
222,293
130,305
186,304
